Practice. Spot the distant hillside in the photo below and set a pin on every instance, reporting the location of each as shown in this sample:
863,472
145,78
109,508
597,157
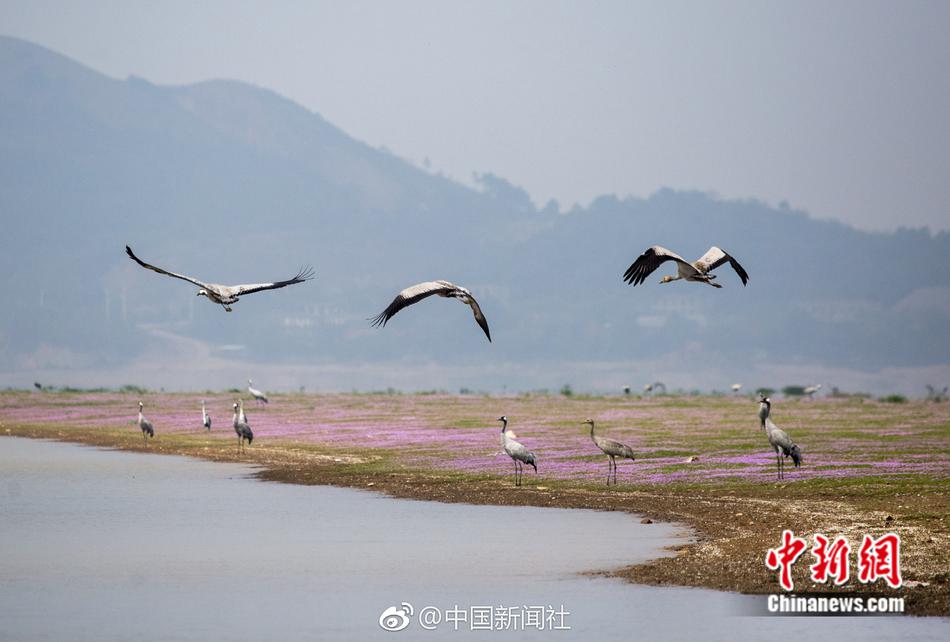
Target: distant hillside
234,183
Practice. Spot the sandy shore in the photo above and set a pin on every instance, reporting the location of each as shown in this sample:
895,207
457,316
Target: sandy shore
735,517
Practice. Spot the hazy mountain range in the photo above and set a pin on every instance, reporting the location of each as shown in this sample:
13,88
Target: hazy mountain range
233,183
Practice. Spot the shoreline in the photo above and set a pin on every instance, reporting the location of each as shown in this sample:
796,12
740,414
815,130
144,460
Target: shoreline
731,529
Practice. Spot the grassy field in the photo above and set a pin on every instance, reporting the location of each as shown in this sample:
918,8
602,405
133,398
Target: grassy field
869,467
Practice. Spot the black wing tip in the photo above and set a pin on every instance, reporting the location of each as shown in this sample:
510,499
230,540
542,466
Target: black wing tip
637,272
304,274
743,275
379,320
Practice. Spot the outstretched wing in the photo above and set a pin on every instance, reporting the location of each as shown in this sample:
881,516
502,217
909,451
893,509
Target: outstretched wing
479,317
148,266
716,257
305,274
647,262
414,294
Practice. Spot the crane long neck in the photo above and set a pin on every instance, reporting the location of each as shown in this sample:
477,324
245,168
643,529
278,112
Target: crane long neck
592,432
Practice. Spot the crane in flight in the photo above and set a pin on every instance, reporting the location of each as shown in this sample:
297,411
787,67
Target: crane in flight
225,295
698,271
415,293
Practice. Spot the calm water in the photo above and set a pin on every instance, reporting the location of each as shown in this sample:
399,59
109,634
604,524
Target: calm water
102,545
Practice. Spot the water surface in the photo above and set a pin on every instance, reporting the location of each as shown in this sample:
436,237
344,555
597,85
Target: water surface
106,545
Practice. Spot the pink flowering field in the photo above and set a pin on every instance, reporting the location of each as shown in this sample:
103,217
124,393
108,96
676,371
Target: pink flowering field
677,440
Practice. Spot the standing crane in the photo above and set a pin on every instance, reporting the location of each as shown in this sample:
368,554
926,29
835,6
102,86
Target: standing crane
518,453
205,417
145,425
242,417
242,429
811,390
778,438
612,449
259,396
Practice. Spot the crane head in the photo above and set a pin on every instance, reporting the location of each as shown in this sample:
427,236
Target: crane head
667,279
141,405
589,422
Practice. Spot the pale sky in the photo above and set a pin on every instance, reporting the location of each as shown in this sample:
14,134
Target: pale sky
839,108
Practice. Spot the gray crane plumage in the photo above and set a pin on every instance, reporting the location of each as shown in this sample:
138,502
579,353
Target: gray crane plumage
242,416
415,293
145,425
613,449
778,438
934,395
205,417
225,295
516,450
698,271
242,430
654,387
258,395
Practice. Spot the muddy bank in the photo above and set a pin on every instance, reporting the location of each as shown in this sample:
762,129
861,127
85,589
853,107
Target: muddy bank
732,527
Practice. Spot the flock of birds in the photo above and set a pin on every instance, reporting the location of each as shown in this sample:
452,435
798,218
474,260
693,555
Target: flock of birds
242,426
699,271
779,440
